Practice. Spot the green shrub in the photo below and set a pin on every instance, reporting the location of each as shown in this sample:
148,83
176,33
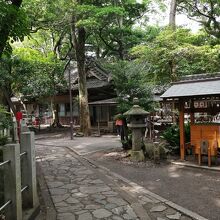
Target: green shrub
149,150
172,136
1,155
5,118
3,140
1,180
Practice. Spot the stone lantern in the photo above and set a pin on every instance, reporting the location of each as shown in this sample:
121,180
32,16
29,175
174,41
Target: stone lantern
136,115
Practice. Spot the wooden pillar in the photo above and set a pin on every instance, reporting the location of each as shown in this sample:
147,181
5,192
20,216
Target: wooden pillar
182,130
192,115
173,113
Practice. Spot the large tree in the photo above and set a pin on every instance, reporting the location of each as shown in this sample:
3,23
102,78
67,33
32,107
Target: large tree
104,24
129,82
30,73
13,26
172,16
12,22
191,53
98,18
206,12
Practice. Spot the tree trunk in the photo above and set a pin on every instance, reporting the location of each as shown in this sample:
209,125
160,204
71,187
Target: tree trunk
172,24
79,40
8,98
56,122
8,22
173,71
172,17
83,102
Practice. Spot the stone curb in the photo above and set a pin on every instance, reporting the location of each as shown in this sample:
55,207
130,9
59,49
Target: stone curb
181,209
48,203
195,166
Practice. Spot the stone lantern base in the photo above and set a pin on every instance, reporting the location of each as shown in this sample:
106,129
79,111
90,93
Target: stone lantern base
137,155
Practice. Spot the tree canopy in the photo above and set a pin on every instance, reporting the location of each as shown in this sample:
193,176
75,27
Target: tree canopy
138,56
206,12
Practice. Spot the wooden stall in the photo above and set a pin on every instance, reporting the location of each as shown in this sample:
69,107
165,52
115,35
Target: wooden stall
198,97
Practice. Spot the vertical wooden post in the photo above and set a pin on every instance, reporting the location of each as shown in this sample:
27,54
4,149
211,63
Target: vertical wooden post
192,116
182,130
28,167
12,181
173,113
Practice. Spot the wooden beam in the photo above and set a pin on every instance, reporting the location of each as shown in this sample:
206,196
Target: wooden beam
182,130
197,110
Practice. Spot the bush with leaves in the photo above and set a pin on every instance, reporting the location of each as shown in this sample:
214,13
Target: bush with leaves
172,136
5,118
5,122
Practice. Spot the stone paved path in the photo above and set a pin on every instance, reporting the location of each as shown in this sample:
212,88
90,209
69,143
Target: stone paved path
81,191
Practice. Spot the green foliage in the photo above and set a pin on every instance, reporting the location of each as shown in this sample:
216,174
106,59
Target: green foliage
206,12
30,73
109,25
172,136
5,118
149,150
128,80
5,122
3,140
1,180
173,54
119,117
14,24
39,75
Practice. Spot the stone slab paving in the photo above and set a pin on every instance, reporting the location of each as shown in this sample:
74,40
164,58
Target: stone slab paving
76,191
79,193
156,206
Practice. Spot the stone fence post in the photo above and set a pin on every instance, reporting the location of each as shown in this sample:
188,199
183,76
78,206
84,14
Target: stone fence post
15,131
28,167
12,181
23,126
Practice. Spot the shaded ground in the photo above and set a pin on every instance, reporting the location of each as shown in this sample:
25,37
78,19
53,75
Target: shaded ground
195,189
81,190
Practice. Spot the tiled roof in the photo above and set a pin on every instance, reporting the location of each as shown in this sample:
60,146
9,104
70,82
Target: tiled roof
197,85
96,76
92,83
199,77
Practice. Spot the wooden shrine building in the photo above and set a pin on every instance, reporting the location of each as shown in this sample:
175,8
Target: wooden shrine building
198,99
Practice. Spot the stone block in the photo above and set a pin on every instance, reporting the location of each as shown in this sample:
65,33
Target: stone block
137,155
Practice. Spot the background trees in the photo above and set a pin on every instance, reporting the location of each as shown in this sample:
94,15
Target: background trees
191,53
206,12
139,56
130,82
13,23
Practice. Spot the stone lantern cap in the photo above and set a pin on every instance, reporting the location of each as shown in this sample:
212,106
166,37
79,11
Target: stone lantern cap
135,111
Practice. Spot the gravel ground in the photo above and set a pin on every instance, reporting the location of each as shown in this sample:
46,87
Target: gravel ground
195,189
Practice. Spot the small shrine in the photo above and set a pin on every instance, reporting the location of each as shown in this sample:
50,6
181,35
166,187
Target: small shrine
197,98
